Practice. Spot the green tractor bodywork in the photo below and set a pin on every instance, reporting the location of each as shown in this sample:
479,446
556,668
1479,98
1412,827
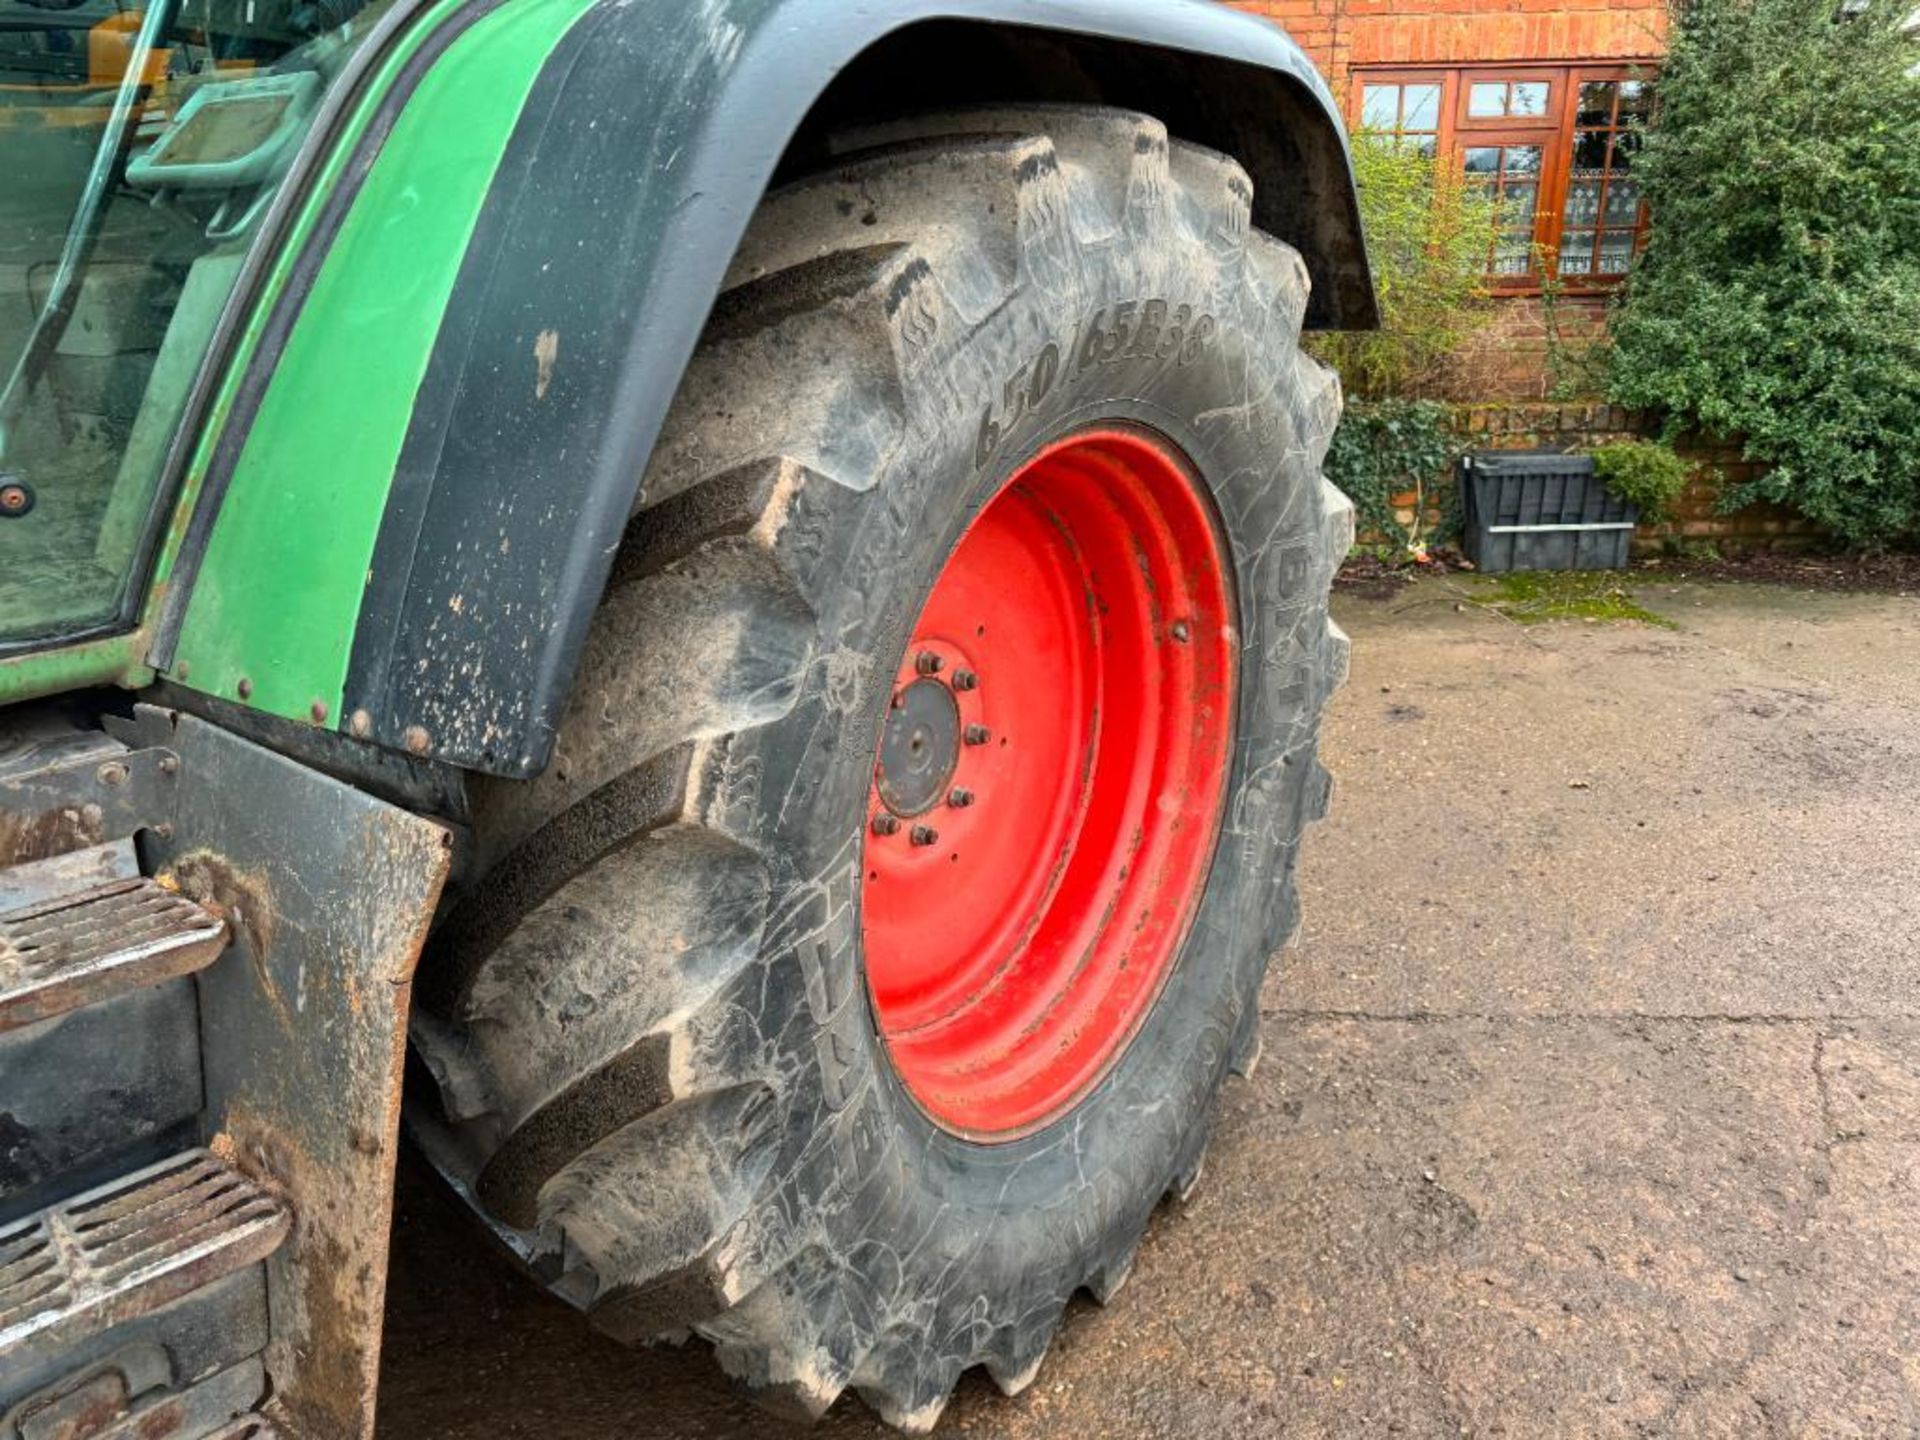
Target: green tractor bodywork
296,403
329,444
285,566
329,427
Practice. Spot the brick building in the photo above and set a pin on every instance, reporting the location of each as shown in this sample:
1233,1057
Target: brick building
1529,97
1534,99
1349,36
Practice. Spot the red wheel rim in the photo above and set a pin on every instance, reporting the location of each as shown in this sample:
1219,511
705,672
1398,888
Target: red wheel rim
1049,783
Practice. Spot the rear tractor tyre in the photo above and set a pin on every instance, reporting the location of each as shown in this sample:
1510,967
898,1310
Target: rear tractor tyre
862,971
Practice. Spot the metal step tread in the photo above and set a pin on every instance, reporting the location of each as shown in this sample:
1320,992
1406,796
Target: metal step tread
58,955
130,1247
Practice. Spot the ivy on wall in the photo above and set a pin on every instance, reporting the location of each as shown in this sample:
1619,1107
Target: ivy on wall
1391,458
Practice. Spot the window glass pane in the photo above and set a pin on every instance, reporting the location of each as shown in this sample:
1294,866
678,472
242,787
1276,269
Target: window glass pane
1583,202
129,195
1590,151
1423,144
1523,159
1636,98
1576,252
1616,251
1513,254
1512,174
1596,103
1623,201
1487,99
1529,98
1423,108
1380,107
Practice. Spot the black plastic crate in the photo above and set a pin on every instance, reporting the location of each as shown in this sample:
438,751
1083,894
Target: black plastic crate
1529,510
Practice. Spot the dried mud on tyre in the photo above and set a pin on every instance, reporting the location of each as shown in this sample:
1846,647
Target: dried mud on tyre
659,1072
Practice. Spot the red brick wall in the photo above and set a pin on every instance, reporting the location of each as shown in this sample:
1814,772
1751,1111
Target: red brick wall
1320,27
1340,34
1508,359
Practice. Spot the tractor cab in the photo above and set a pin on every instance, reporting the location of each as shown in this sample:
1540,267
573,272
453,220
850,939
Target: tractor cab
142,150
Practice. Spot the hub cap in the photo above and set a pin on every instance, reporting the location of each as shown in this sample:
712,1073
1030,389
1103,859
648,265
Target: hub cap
919,749
1049,783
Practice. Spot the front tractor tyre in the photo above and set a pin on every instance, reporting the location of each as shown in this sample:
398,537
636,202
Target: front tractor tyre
862,971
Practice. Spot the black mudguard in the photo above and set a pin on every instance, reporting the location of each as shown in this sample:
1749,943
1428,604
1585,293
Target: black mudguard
648,139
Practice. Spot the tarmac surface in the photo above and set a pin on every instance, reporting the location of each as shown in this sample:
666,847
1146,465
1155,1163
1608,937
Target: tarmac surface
1591,1094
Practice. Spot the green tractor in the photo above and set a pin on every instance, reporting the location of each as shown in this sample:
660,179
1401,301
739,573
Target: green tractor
734,589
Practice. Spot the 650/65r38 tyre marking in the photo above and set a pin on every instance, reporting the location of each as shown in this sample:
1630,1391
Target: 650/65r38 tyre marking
692,1060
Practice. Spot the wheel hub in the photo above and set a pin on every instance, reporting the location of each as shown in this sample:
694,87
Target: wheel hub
919,748
1048,784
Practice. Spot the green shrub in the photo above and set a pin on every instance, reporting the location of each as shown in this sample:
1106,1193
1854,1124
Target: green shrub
1645,473
1778,302
1389,447
1428,236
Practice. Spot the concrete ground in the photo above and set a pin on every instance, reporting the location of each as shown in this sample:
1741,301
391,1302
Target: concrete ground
1591,1098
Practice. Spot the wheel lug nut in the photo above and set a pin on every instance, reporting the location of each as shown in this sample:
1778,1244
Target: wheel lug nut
924,835
885,824
965,679
978,734
960,799
928,663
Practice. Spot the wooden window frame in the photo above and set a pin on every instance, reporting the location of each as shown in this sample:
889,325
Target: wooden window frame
1467,76
1580,75
1549,182
1404,76
1554,132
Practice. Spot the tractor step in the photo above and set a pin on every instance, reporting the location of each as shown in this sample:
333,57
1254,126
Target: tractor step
59,955
105,1403
178,1299
126,1249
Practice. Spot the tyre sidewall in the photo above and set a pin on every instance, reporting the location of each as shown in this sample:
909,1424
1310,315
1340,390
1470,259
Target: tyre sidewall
1035,1215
